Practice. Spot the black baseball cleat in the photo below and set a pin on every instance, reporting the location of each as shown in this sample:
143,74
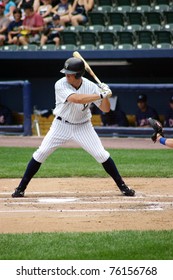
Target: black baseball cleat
126,190
18,193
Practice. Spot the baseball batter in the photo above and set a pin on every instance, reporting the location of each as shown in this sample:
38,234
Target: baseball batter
73,95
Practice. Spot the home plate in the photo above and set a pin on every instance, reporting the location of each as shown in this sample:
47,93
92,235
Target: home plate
56,200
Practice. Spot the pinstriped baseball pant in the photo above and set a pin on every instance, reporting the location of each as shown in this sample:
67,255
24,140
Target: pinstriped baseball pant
60,132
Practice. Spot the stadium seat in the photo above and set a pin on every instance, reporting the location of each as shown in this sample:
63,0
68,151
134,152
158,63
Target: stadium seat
168,19
29,47
97,18
114,28
154,20
88,47
106,47
48,47
145,39
76,28
143,5
162,5
68,47
95,28
124,6
125,40
10,48
103,9
164,39
105,2
69,37
88,37
135,21
106,37
116,19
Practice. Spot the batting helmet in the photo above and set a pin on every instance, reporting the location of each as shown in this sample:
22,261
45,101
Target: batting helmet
74,65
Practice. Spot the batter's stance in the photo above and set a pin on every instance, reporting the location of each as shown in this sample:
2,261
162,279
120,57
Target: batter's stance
74,94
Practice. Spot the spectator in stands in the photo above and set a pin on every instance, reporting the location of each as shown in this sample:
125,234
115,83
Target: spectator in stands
9,8
169,114
62,9
114,118
33,24
4,22
144,112
13,28
78,12
45,10
51,32
5,115
34,3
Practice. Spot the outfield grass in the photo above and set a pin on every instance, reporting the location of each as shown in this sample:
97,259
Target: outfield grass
116,245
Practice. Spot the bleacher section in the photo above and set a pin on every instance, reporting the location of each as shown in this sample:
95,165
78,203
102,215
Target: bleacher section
121,24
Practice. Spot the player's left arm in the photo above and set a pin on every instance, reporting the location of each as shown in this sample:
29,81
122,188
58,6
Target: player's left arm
165,141
105,105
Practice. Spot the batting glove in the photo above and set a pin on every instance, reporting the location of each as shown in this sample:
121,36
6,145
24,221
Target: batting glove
104,86
105,93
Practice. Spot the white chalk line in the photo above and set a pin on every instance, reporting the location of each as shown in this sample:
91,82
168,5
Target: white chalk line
81,210
147,205
78,201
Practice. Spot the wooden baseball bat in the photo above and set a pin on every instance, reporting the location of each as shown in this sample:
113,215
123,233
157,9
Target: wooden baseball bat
87,67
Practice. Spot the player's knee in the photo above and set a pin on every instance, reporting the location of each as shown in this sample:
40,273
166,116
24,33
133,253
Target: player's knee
102,156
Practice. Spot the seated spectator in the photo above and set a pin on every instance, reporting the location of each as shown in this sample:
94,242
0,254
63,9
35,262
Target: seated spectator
45,10
13,28
169,114
114,118
4,22
34,3
144,112
62,9
9,8
79,11
5,115
51,32
33,24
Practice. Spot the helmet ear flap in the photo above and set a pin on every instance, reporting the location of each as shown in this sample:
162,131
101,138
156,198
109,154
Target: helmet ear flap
79,75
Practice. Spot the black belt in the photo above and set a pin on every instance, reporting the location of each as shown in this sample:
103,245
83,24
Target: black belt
60,119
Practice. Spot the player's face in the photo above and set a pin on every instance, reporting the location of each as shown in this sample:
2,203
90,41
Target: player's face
71,79
142,105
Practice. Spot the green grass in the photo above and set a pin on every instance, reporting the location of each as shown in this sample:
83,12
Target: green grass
119,245
76,162
115,245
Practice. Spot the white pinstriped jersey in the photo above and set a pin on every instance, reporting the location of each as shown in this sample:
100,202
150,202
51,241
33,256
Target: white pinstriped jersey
71,112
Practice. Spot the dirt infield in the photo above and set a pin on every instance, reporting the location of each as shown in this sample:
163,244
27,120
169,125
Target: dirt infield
85,204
